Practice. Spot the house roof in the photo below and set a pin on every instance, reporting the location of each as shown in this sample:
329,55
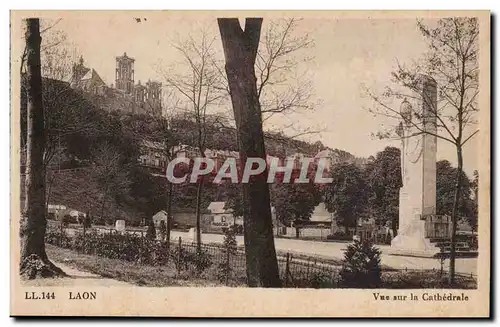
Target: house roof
217,207
160,213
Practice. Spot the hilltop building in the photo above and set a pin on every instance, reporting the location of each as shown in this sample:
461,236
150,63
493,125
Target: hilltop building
125,96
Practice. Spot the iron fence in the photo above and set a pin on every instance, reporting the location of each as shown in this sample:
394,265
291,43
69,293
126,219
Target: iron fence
216,262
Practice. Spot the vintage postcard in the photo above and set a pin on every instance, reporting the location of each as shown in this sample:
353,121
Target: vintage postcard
250,164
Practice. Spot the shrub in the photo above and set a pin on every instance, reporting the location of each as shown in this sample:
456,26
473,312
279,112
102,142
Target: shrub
320,280
201,261
99,221
55,237
361,266
179,257
229,243
238,229
471,240
224,269
339,236
163,230
66,220
160,253
473,243
151,232
87,221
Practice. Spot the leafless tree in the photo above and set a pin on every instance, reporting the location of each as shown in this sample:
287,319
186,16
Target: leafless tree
240,51
282,87
56,53
64,111
110,173
160,132
452,61
198,85
34,260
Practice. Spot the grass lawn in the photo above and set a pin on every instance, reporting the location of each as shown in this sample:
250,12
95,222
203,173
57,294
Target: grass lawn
167,275
141,275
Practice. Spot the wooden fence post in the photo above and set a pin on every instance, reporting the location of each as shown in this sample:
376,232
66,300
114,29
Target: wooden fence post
179,256
61,230
228,268
84,235
141,248
287,268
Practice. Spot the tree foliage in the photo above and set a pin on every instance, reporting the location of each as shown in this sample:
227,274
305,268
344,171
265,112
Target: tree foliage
347,195
445,192
294,202
384,182
452,62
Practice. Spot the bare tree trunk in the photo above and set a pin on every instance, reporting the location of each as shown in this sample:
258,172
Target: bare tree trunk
34,220
102,208
456,199
169,212
198,214
240,50
395,226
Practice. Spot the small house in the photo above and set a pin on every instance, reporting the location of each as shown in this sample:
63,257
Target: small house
159,216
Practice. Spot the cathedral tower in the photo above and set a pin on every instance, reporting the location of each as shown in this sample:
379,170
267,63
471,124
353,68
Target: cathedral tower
125,73
153,97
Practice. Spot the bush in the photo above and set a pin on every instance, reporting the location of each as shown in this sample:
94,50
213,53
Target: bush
238,229
473,243
151,232
201,261
197,261
163,230
179,257
67,219
98,221
471,240
134,223
339,236
320,280
87,221
361,266
55,237
224,269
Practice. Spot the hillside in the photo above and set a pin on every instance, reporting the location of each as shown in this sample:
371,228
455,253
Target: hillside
76,190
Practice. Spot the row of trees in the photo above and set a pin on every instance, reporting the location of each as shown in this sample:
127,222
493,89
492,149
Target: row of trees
452,61
251,68
105,141
366,191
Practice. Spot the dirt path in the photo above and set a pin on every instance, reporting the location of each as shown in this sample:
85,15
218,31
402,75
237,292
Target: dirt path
75,278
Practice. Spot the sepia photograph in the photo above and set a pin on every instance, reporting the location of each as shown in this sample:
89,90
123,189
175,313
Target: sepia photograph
284,157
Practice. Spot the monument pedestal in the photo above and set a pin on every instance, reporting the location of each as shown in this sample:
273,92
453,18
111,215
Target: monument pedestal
411,241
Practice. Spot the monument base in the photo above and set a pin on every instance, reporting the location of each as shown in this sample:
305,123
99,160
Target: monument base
411,241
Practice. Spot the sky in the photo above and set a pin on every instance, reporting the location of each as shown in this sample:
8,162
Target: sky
348,55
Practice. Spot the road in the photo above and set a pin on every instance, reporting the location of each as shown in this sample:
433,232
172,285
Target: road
335,250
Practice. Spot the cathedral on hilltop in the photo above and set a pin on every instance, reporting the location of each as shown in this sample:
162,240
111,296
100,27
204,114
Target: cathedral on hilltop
125,96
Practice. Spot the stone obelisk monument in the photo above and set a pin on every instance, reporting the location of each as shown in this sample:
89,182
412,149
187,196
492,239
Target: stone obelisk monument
417,197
